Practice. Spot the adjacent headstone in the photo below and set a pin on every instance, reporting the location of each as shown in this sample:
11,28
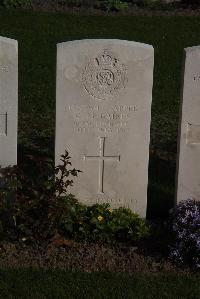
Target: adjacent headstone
8,101
188,162
103,112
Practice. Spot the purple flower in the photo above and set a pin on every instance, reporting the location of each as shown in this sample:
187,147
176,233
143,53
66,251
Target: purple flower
186,229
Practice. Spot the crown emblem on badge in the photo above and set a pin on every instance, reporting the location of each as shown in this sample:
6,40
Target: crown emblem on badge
106,59
104,75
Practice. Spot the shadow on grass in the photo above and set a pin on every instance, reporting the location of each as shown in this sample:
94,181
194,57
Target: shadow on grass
161,187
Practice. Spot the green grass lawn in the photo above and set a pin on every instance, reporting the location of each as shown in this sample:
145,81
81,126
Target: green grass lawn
38,34
25,284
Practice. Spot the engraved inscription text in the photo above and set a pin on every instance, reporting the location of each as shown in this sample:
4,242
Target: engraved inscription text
93,118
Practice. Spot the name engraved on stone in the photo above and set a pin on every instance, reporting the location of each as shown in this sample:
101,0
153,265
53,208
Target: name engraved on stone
193,134
104,76
3,123
102,158
89,118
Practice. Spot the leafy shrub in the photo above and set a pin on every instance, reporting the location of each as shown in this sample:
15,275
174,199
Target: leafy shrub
15,3
109,5
186,230
73,3
39,200
152,4
101,223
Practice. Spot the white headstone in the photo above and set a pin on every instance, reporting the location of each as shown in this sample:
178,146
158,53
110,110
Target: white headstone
8,101
188,161
103,113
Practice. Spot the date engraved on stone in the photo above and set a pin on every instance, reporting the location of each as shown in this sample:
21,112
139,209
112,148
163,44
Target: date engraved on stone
104,76
193,134
3,124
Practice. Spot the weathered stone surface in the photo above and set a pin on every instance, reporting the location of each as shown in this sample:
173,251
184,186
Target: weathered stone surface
8,101
188,161
103,112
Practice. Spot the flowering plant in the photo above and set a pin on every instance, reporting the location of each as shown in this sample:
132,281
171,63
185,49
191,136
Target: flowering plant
186,231
101,223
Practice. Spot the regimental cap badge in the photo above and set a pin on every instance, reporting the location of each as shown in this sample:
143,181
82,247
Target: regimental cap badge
104,76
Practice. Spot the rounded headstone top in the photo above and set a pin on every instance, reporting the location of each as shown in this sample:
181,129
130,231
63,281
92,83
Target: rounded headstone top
192,49
113,41
8,40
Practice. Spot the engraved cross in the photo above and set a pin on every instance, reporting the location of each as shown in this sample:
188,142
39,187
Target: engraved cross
102,158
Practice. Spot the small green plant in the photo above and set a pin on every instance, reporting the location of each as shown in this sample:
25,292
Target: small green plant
77,3
101,223
15,3
110,5
120,5
150,3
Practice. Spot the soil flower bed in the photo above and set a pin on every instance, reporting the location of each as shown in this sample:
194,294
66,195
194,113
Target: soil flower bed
69,255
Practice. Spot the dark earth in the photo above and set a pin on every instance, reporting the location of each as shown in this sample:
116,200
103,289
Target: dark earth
73,256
